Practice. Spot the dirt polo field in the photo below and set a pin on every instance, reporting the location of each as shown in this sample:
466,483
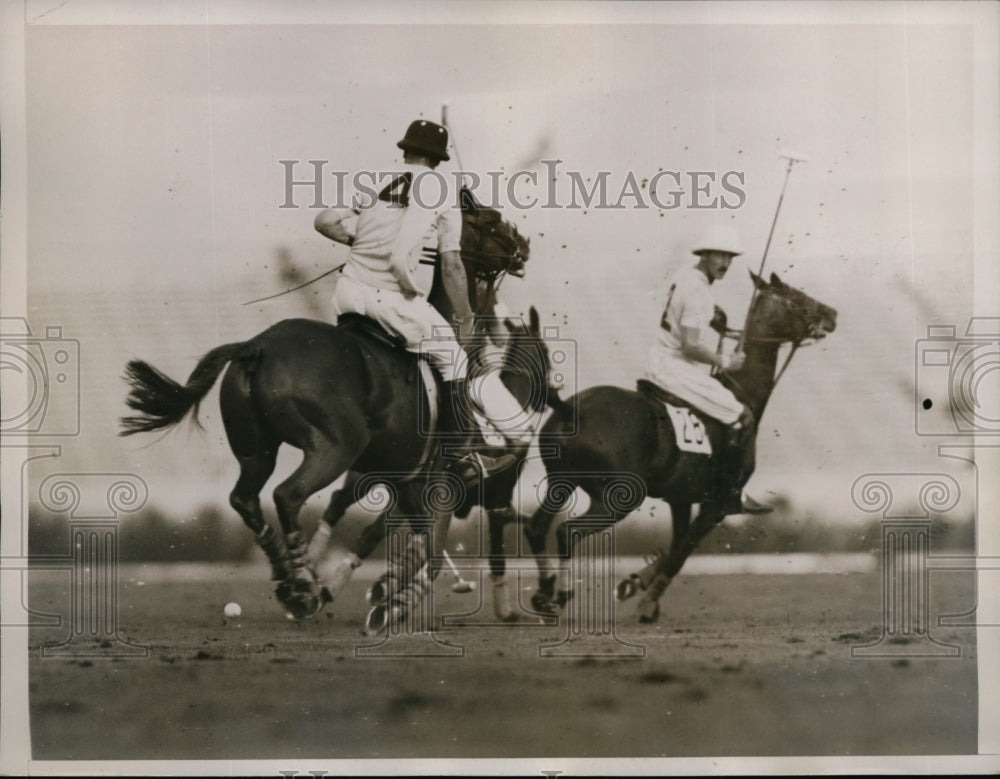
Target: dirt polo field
738,665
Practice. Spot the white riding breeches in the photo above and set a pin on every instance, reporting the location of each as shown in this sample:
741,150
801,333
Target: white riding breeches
428,333
692,382
413,319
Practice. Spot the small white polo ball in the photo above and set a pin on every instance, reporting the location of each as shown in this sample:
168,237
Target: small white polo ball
232,610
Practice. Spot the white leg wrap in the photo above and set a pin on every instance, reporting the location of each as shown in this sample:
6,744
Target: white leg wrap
338,572
502,607
318,543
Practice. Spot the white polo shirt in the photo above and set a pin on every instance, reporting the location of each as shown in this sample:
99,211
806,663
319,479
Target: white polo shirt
387,230
689,304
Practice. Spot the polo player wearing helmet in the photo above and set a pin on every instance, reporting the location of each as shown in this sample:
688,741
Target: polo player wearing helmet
682,359
378,281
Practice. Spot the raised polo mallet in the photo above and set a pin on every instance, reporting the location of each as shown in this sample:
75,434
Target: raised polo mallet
792,158
454,145
462,585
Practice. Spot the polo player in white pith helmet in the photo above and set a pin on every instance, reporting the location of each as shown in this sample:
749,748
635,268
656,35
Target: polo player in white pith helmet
682,359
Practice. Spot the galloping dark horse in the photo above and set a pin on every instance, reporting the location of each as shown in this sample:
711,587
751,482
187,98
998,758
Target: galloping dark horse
525,373
620,432
347,399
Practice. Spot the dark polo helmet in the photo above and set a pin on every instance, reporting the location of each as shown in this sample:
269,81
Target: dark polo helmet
428,138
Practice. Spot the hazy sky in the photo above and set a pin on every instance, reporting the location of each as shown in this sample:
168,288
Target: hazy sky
155,184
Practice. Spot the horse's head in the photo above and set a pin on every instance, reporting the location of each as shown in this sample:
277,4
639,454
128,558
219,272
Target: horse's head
526,363
782,313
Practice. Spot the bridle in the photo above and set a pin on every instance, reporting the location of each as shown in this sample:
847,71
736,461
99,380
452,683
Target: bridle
805,340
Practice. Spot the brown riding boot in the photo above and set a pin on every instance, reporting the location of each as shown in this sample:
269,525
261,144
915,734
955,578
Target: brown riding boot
739,466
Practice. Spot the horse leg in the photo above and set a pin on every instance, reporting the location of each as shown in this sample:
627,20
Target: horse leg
398,561
498,520
255,470
557,495
421,566
321,465
680,514
681,548
596,518
340,501
343,559
257,451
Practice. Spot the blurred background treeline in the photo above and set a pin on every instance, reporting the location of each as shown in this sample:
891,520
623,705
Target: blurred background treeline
216,534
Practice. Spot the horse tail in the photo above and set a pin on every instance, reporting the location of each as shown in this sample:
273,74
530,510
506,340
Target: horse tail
161,401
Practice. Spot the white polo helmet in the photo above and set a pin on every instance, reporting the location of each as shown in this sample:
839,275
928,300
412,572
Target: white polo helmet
721,238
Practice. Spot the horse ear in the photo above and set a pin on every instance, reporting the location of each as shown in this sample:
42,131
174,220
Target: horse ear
758,282
775,281
533,320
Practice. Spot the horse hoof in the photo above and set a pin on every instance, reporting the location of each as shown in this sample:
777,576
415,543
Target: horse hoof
627,587
377,619
649,612
563,597
542,604
377,594
300,608
302,600
547,585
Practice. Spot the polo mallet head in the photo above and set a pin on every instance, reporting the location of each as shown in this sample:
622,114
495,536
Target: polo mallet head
462,585
793,157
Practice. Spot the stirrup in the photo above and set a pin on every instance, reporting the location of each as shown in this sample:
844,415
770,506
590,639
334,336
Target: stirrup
751,506
744,504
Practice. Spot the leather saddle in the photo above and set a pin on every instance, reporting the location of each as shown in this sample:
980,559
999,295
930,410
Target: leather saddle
656,392
365,325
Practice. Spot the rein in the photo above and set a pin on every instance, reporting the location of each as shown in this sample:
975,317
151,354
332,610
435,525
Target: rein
740,336
742,339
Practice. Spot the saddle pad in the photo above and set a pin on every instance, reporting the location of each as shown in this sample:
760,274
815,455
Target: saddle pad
689,430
